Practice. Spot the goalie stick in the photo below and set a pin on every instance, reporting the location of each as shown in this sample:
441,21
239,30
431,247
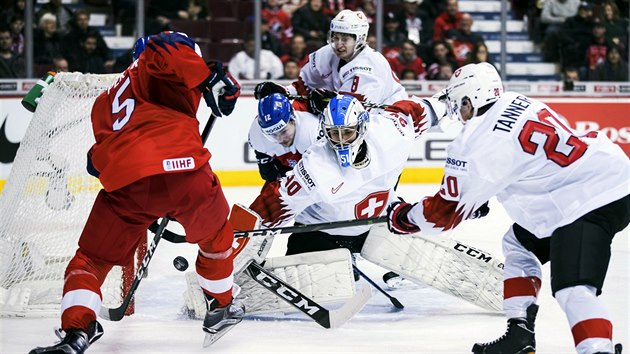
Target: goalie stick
177,238
324,317
117,314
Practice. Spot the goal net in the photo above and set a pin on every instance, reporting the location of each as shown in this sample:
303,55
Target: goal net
47,199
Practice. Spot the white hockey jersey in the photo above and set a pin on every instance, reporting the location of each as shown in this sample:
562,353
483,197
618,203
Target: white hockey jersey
319,190
368,74
542,172
307,131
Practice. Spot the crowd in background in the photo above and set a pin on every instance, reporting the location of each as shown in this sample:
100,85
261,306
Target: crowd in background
422,40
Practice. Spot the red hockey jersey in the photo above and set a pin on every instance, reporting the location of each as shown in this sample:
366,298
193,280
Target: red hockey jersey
145,123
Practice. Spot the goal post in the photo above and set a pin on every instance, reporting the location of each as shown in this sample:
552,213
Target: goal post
47,200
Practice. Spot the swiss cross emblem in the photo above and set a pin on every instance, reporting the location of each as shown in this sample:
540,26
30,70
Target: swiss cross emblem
457,72
371,206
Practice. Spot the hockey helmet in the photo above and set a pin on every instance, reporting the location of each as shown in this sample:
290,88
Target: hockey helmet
168,37
344,123
480,83
350,22
274,115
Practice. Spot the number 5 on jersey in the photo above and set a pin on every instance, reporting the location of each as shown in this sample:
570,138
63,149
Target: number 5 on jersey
128,104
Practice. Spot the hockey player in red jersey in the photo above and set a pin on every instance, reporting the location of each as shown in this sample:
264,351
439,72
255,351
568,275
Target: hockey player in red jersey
151,162
567,194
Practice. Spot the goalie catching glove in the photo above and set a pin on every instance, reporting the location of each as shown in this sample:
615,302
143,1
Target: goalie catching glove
267,88
222,83
397,220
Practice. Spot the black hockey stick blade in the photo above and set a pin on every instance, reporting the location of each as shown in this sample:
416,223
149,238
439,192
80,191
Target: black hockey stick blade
177,238
324,317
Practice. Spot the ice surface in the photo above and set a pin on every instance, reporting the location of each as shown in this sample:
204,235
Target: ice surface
430,323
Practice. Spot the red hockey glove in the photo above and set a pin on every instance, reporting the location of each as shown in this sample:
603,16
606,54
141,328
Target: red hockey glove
397,221
229,94
269,205
318,100
267,88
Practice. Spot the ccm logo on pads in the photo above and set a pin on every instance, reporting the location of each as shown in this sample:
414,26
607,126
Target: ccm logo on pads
182,163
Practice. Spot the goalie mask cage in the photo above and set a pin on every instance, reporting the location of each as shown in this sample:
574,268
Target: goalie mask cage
47,200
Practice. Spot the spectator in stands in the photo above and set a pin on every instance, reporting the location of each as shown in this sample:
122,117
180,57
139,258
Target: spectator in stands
80,28
279,21
297,51
407,59
570,76
479,54
462,39
447,20
596,51
125,15
291,70
408,75
441,55
393,36
60,64
46,40
616,26
290,6
269,40
17,10
161,12
86,60
197,10
613,68
412,21
369,10
16,25
371,41
123,61
242,64
63,14
443,72
11,64
569,44
555,12
311,22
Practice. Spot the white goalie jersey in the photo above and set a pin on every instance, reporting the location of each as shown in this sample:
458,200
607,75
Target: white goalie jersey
319,190
368,74
545,174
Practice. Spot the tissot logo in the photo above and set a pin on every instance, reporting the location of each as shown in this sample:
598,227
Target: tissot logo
8,149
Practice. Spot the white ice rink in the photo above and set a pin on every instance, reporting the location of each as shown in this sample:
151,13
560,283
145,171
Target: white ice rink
430,323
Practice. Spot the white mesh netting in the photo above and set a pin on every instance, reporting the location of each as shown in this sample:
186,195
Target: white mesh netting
47,199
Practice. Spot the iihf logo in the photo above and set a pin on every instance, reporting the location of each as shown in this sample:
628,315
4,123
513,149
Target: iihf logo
182,163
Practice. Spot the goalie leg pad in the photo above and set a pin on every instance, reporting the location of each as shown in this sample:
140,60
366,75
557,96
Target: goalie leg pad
326,277
445,264
247,249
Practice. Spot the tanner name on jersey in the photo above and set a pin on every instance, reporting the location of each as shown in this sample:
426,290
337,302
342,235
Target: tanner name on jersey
178,164
511,114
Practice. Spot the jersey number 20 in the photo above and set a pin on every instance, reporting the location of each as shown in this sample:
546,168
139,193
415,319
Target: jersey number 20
552,139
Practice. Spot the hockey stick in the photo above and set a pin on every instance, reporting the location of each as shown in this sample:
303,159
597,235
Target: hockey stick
177,238
397,304
324,317
364,103
117,314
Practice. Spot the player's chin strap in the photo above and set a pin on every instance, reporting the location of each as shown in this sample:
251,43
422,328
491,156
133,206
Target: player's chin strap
177,238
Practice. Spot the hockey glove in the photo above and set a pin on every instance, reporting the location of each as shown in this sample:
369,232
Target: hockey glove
217,73
267,88
482,211
229,94
397,221
268,167
318,100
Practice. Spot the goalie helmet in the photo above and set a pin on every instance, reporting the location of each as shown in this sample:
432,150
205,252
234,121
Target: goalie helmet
344,123
274,115
350,22
480,83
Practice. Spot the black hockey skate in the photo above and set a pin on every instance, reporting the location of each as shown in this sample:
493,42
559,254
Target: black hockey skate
220,320
518,339
75,341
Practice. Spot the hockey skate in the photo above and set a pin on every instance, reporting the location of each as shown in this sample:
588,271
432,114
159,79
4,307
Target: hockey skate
220,320
618,348
394,281
75,341
518,339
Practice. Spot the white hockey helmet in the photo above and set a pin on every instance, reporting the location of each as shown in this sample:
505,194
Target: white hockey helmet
350,22
480,83
344,123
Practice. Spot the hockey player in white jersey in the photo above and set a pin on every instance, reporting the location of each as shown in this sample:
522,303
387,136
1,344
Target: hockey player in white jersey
346,65
567,194
349,175
279,135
